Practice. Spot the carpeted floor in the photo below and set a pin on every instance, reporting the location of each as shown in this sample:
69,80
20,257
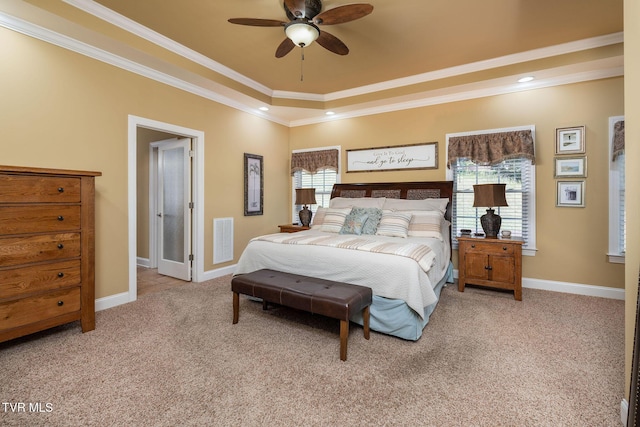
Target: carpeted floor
174,358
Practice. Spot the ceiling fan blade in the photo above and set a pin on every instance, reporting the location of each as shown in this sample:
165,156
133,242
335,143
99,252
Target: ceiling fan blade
341,14
296,7
332,43
256,22
285,47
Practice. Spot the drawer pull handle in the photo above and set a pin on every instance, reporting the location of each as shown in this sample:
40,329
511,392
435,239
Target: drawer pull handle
60,218
504,248
488,267
473,246
60,303
60,246
60,190
60,274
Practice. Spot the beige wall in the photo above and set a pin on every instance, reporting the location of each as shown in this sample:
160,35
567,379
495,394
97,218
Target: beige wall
572,243
63,110
632,152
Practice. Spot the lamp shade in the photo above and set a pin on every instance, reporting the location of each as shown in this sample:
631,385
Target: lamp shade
489,195
302,33
305,196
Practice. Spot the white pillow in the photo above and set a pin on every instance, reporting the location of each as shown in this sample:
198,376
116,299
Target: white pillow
426,224
318,218
334,220
394,224
416,205
357,202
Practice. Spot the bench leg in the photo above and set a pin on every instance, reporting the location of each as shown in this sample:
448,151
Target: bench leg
344,337
365,322
236,307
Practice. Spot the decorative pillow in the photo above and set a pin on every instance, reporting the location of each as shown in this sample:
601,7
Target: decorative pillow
318,218
357,202
426,224
416,205
373,218
354,222
394,224
334,220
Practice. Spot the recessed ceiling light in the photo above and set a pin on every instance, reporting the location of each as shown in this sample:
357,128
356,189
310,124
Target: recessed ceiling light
264,108
525,79
329,113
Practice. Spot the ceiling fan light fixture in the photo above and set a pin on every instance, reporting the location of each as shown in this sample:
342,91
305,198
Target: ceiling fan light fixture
302,33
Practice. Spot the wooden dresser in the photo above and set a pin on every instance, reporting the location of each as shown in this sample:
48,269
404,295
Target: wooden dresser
47,247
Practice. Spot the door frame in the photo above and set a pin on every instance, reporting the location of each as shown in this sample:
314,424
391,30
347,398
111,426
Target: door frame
197,172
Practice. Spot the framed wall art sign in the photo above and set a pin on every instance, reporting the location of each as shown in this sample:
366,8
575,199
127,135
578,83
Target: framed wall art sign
570,167
570,140
399,157
570,194
253,184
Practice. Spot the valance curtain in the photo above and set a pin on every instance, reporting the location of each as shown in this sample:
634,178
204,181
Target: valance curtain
313,161
618,139
491,148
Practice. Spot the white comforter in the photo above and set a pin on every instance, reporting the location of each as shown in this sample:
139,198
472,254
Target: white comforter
388,275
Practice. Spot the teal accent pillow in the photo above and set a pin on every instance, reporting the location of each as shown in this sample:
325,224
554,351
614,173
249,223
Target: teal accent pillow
374,215
353,223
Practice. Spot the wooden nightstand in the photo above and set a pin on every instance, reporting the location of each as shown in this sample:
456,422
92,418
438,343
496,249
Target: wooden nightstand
493,262
292,228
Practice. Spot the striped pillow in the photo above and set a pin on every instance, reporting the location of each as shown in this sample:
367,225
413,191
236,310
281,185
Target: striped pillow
394,224
426,224
334,219
318,218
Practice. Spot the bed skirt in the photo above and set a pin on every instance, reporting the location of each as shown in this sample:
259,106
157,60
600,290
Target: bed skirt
394,317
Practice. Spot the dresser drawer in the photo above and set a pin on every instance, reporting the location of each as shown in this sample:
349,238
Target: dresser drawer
46,247
43,189
497,248
40,307
38,219
15,282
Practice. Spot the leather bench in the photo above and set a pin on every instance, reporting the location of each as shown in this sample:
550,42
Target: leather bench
318,296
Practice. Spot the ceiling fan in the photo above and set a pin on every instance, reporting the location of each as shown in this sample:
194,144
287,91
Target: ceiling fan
304,24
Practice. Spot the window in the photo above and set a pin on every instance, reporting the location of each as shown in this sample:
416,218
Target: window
617,219
519,176
322,181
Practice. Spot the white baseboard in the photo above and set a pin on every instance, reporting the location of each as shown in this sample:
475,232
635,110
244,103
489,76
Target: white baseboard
143,262
112,301
218,272
624,411
570,288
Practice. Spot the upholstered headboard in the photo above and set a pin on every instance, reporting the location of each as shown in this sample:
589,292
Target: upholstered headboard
398,190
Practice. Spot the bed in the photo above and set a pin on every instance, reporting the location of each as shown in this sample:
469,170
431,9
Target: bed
392,237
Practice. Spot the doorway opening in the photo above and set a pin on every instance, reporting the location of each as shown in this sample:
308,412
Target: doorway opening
140,158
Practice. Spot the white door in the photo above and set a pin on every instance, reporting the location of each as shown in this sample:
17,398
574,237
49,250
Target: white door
173,209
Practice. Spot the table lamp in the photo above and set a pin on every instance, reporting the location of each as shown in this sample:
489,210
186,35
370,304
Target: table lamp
305,196
490,196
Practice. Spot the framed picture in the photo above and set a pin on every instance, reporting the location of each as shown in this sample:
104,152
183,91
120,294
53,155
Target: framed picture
399,157
253,184
570,194
571,167
570,140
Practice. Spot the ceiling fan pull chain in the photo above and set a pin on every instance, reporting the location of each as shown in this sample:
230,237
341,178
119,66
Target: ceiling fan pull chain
301,63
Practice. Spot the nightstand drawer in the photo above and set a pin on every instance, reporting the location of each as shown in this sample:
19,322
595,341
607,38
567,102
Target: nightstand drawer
497,248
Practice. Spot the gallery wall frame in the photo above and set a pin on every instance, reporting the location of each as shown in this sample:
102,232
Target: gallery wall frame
570,194
253,184
570,140
570,167
393,158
